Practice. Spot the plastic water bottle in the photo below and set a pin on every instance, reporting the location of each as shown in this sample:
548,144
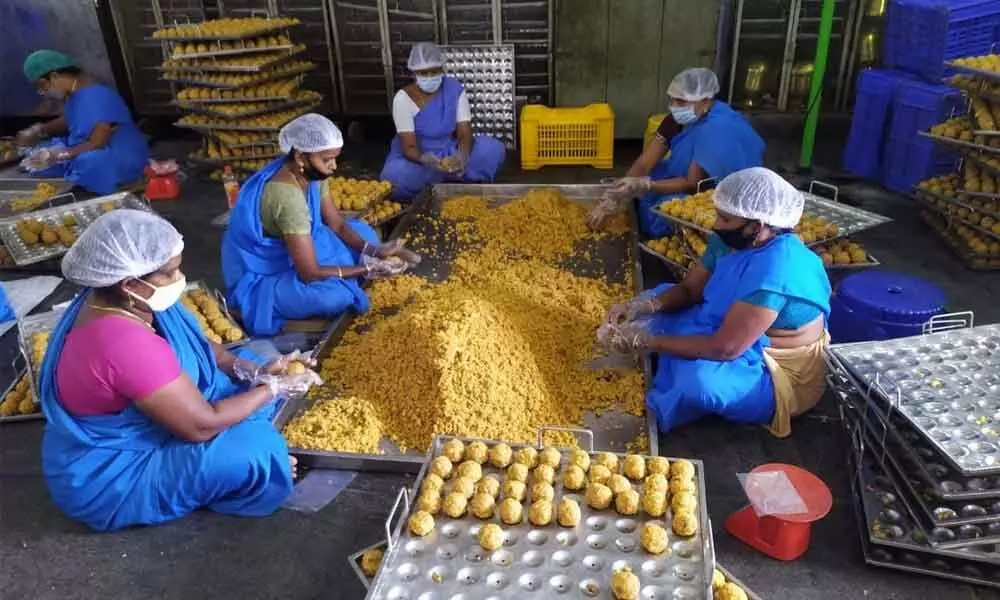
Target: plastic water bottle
231,185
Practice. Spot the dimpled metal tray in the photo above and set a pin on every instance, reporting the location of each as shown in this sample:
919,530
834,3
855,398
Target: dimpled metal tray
670,263
890,534
945,384
20,373
487,73
85,213
27,327
552,560
896,434
938,533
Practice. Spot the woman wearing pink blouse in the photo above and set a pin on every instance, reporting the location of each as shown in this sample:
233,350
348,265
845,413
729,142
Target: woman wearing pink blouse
147,419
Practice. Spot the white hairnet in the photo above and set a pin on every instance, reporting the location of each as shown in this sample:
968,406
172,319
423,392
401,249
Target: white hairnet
121,244
425,55
310,133
694,85
761,195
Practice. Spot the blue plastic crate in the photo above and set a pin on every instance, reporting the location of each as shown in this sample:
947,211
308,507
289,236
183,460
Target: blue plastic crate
908,161
863,152
921,34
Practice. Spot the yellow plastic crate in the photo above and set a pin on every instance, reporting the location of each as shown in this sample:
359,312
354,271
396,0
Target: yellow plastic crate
567,136
652,124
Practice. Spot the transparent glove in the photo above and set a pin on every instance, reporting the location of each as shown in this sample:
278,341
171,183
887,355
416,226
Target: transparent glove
630,187
30,136
608,205
378,268
289,386
429,160
293,363
634,309
626,339
44,158
393,248
454,164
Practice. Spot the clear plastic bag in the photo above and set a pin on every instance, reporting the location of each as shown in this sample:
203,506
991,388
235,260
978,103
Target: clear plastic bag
772,493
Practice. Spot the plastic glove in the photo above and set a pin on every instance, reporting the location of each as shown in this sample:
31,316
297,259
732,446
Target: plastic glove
44,158
289,386
429,160
30,136
608,205
293,363
393,248
636,308
630,187
378,268
629,338
454,164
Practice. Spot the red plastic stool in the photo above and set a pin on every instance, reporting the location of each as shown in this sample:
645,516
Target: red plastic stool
785,537
162,182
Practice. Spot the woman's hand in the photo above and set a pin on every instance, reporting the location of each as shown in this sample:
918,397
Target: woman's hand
293,363
393,248
630,187
609,204
635,308
378,268
628,338
288,386
30,136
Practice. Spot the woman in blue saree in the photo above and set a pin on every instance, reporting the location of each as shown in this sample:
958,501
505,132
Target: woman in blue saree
95,144
434,140
706,139
743,335
287,253
147,420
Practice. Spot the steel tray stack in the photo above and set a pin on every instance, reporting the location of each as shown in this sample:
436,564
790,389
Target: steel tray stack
551,560
923,414
614,429
487,73
219,87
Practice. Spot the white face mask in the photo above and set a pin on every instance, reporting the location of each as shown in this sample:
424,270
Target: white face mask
163,296
429,84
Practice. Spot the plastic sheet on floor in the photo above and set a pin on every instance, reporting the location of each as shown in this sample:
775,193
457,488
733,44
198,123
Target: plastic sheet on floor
317,489
25,294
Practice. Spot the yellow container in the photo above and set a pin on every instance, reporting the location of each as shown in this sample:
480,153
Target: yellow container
567,136
652,124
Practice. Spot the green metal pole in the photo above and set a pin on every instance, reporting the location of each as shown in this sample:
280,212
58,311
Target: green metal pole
816,89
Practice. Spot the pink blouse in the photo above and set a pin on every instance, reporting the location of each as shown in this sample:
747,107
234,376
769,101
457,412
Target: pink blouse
110,362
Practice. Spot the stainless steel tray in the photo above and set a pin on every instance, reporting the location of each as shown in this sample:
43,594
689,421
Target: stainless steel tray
895,433
976,537
922,197
487,73
872,262
848,219
85,212
250,34
613,429
674,265
891,539
223,308
20,368
265,77
230,52
944,384
961,145
559,560
729,577
27,327
283,104
209,68
235,125
9,193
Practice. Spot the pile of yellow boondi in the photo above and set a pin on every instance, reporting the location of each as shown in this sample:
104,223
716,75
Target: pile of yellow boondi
497,349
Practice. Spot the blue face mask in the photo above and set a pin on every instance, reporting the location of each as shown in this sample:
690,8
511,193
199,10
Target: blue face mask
684,115
429,84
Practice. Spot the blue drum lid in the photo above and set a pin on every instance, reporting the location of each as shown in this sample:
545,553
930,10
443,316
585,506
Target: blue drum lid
892,296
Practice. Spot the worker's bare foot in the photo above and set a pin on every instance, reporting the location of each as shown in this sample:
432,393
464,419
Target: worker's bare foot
294,464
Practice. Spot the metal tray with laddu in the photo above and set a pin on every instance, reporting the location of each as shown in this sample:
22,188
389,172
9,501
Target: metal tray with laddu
619,260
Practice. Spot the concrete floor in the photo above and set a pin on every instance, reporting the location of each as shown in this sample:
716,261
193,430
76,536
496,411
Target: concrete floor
45,556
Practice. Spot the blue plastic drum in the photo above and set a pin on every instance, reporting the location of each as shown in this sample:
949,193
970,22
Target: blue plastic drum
880,305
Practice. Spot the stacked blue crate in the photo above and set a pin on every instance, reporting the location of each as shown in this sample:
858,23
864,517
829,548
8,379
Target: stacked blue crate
920,35
883,144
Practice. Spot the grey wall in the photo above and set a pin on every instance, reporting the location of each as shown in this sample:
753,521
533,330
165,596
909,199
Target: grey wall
69,26
625,52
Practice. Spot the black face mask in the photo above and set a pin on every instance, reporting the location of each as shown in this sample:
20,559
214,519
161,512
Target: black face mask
739,238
